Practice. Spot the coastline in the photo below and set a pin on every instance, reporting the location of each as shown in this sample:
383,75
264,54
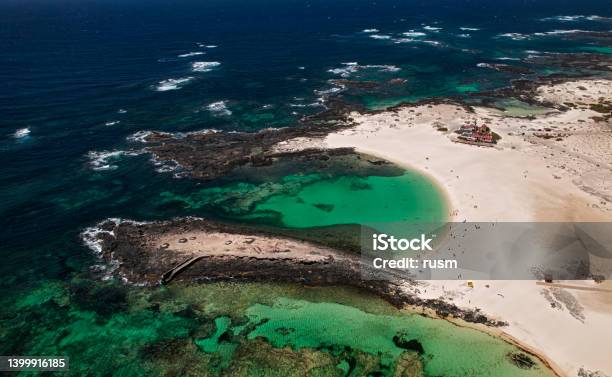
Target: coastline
495,332
516,180
169,244
474,179
467,172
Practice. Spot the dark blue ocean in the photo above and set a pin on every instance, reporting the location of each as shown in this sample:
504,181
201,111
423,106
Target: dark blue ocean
78,77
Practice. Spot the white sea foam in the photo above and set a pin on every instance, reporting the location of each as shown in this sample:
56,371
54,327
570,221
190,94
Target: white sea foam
166,166
327,92
112,122
91,237
139,137
432,28
464,36
349,68
383,67
219,108
515,36
346,70
195,53
469,28
507,58
370,30
301,105
204,45
555,32
404,40
433,43
22,133
598,18
181,135
102,160
563,18
520,36
380,36
413,33
577,18
417,40
485,65
121,111
496,67
204,66
172,84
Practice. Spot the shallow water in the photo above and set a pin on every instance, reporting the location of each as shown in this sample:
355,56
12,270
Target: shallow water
316,200
232,329
448,349
516,108
358,200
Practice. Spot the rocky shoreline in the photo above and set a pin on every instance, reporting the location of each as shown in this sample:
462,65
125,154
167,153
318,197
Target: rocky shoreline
209,155
205,251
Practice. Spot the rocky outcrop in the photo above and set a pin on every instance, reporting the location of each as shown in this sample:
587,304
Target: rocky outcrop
162,252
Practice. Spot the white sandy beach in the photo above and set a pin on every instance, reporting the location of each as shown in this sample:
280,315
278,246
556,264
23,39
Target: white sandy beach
556,167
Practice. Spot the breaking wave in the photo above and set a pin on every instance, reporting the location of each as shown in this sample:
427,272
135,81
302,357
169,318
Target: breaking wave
515,36
413,33
22,133
195,53
219,108
204,66
349,68
172,84
103,160
555,32
577,18
92,238
380,36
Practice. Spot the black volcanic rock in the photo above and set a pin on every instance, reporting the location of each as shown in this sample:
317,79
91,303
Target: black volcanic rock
401,340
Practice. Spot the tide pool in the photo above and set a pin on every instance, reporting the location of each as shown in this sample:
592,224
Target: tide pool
448,350
359,200
315,200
